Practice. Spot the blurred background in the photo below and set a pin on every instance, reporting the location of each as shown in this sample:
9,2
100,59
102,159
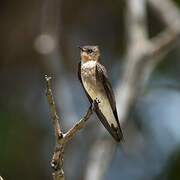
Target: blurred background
40,37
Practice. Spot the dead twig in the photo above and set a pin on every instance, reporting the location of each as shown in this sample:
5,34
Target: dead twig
61,138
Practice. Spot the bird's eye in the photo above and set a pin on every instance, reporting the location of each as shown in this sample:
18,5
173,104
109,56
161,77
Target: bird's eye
89,51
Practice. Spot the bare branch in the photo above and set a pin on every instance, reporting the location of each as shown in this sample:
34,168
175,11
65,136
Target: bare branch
163,43
137,46
1,178
142,53
61,138
55,118
168,12
136,23
99,157
170,15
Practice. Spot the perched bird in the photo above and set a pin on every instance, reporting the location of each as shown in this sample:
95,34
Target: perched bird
97,87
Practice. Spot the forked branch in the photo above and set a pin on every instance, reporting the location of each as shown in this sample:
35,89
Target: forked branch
60,137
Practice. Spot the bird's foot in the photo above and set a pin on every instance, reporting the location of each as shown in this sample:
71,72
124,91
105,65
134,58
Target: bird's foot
99,100
95,103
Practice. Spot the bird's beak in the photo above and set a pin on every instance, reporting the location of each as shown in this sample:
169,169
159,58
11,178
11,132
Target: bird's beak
81,48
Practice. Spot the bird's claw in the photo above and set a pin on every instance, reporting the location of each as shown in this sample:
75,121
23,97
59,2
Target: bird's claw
95,103
100,100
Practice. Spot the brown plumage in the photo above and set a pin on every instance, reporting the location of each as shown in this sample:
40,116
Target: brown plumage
95,82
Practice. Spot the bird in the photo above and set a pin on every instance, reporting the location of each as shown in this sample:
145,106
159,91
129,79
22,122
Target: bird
95,82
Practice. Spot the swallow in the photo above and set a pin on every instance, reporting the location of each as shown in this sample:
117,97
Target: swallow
96,84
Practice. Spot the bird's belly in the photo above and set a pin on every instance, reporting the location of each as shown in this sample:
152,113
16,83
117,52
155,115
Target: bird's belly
106,110
92,90
95,92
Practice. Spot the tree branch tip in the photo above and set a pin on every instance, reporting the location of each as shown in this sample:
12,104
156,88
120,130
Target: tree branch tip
47,78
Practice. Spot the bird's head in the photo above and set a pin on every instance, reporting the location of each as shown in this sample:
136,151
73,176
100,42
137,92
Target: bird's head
89,53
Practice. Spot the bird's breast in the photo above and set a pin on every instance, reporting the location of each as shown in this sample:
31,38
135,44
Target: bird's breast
88,74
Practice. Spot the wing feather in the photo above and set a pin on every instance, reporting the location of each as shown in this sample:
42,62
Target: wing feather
102,76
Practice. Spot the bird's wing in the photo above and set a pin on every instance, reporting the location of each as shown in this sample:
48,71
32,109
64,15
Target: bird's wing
101,74
80,79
